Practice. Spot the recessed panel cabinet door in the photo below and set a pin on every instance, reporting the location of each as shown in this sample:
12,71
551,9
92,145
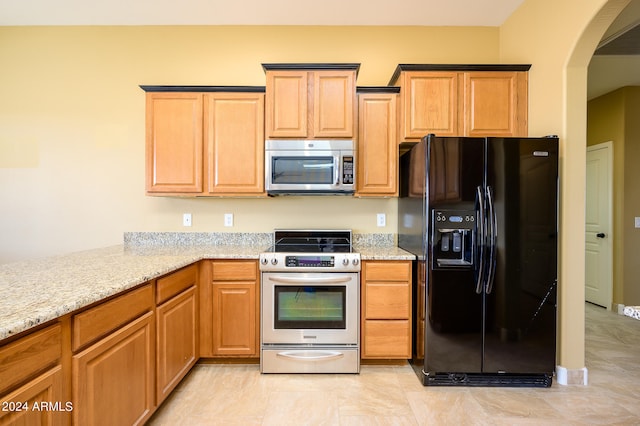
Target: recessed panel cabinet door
286,107
495,103
174,142
333,104
234,135
235,319
377,145
113,380
430,104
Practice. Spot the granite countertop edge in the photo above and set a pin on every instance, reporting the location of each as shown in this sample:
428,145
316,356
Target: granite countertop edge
37,291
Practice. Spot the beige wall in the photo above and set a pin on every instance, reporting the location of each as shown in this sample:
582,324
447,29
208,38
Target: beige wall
72,120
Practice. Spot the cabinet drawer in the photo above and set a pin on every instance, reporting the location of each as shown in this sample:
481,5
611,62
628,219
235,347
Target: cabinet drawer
90,325
176,282
386,339
234,271
28,356
387,301
387,271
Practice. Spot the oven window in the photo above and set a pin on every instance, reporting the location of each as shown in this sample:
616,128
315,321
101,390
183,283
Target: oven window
302,170
314,307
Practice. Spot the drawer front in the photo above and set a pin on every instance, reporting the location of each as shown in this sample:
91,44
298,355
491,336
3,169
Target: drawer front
387,271
28,356
174,283
387,301
90,325
386,339
235,270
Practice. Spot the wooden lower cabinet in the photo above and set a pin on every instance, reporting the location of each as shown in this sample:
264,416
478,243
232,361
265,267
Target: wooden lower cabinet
113,380
386,310
230,320
177,341
32,390
39,402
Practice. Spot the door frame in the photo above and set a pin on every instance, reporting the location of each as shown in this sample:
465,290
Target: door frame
610,225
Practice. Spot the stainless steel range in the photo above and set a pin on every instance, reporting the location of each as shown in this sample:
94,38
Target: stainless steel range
310,303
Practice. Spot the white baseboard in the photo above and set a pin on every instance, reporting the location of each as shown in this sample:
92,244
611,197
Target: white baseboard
579,376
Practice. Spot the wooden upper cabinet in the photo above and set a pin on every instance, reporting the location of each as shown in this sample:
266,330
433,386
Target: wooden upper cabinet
174,142
463,100
286,106
234,140
430,104
205,140
377,144
495,103
333,104
310,101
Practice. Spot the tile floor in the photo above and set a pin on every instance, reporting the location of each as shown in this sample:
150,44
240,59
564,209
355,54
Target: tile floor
392,395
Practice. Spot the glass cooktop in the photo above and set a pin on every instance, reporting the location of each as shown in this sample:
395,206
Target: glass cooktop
314,241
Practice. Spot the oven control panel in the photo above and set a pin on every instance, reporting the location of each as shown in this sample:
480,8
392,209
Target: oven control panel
335,262
310,261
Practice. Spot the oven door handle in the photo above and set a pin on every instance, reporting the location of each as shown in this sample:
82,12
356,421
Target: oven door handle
311,280
311,355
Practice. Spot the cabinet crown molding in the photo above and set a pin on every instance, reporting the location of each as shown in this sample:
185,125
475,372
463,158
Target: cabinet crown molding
312,66
456,67
227,89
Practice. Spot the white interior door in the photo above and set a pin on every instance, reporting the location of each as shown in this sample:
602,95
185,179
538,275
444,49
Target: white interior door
599,241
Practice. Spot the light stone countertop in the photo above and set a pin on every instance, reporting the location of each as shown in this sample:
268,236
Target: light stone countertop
36,291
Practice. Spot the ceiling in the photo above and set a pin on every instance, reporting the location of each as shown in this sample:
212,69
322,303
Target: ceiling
616,63
256,12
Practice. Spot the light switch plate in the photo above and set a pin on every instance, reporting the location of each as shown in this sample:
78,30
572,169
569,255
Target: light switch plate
637,222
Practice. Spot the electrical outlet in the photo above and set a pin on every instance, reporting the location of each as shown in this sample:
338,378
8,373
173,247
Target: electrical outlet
228,219
382,219
637,222
186,219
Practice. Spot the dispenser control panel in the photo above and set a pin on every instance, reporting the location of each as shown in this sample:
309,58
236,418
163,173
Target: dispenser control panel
453,238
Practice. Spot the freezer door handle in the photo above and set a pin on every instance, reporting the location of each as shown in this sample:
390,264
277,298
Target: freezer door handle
492,227
480,242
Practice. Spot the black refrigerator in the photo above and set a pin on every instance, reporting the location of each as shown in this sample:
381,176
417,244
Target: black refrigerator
481,216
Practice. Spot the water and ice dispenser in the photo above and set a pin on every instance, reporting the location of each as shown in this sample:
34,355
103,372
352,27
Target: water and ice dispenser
453,238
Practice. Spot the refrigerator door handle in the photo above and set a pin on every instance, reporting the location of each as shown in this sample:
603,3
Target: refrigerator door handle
481,237
492,236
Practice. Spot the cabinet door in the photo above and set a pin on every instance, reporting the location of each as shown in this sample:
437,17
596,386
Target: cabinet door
174,143
430,104
113,380
177,340
234,135
235,325
377,145
334,99
39,402
286,104
495,103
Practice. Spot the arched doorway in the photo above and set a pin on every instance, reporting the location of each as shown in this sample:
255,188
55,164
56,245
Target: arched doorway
559,39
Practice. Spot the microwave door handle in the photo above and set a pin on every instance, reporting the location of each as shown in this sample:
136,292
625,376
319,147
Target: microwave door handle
336,168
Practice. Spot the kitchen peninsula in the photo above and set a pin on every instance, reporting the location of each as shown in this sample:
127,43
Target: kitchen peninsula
62,316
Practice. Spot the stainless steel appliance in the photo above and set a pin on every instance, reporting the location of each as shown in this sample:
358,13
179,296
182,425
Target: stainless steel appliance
310,303
309,167
481,216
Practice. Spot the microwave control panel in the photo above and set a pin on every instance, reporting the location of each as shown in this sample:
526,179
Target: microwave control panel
347,169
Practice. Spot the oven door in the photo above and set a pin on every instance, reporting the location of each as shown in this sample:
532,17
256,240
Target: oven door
307,171
310,308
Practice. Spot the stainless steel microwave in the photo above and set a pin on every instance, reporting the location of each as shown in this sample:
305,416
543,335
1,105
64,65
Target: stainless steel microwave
309,167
